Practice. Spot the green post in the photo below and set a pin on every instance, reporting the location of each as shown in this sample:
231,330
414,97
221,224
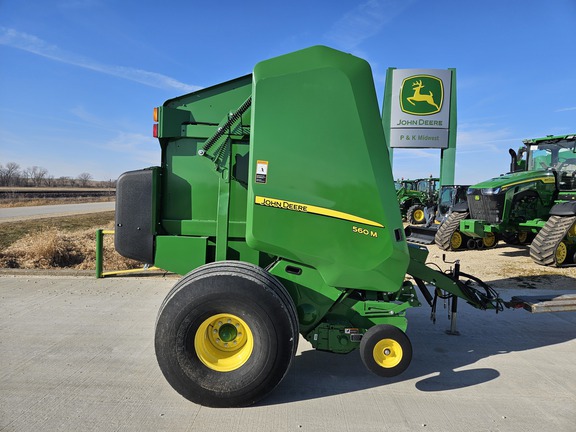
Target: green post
448,155
386,103
99,238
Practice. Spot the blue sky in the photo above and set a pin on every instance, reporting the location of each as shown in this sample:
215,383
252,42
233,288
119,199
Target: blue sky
79,78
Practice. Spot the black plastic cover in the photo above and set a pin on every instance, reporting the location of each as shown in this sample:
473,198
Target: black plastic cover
564,209
133,236
460,207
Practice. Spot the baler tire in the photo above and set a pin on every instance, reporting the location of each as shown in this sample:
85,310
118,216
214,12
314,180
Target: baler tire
451,225
234,303
385,350
415,215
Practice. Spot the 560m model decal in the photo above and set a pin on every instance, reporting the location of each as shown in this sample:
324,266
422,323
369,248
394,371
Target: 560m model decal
306,208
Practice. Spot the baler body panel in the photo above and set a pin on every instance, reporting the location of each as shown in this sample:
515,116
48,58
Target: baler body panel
190,183
319,171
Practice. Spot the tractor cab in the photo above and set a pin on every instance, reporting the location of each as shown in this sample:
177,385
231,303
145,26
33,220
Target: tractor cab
556,154
429,186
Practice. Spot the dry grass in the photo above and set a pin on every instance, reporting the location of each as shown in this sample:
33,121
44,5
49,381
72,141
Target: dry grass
62,243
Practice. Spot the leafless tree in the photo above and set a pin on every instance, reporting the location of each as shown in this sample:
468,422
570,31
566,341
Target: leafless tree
64,181
10,175
84,178
37,175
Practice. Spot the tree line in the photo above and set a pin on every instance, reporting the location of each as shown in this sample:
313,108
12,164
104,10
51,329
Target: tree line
12,175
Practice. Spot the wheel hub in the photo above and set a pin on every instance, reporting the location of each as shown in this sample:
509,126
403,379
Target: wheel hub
223,342
561,253
388,353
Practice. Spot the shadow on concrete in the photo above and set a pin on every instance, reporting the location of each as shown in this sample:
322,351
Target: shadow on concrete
541,281
440,361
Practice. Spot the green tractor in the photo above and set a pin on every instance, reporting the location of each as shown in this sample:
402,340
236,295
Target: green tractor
415,196
436,213
534,203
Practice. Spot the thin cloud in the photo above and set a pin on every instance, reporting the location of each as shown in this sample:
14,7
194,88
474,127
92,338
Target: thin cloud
471,140
35,45
566,109
364,21
141,148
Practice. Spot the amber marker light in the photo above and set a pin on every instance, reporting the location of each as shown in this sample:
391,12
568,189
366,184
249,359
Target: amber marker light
155,126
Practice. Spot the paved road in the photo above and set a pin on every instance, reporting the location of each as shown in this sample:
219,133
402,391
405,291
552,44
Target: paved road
35,212
76,353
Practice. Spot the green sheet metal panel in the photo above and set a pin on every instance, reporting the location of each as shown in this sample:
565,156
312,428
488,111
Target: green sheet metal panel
190,182
320,183
180,254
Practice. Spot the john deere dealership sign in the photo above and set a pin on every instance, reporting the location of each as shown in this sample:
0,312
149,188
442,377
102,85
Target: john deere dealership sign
420,108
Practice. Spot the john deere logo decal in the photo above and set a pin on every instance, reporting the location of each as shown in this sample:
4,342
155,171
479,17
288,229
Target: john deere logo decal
421,95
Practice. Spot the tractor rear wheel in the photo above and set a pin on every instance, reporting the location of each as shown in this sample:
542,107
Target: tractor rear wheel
226,334
445,237
416,215
385,350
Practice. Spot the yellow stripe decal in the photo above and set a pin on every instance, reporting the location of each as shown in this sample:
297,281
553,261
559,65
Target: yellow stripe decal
547,179
305,208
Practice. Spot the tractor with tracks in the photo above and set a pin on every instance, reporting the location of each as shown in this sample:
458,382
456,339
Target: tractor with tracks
275,200
534,203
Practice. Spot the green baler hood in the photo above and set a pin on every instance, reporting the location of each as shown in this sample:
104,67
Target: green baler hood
320,178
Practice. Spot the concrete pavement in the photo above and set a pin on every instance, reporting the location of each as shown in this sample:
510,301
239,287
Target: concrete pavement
76,354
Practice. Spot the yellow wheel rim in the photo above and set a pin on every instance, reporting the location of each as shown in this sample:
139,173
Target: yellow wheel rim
456,240
223,342
418,215
561,253
523,236
490,240
387,353
572,231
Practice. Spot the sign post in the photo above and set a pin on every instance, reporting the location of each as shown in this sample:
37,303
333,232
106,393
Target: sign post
420,112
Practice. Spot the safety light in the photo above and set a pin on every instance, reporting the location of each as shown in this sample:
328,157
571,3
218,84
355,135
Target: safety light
155,126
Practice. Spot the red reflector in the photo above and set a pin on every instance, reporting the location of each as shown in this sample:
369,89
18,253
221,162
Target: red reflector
155,130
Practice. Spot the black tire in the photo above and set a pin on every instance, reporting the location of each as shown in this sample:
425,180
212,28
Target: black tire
451,225
226,334
415,215
518,238
386,350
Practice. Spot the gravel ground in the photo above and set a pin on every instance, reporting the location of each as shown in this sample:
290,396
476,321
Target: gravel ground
507,266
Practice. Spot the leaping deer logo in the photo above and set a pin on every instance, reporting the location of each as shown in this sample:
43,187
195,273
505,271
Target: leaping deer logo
416,102
418,97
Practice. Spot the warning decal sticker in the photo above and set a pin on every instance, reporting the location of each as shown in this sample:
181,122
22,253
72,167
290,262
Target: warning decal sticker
261,171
